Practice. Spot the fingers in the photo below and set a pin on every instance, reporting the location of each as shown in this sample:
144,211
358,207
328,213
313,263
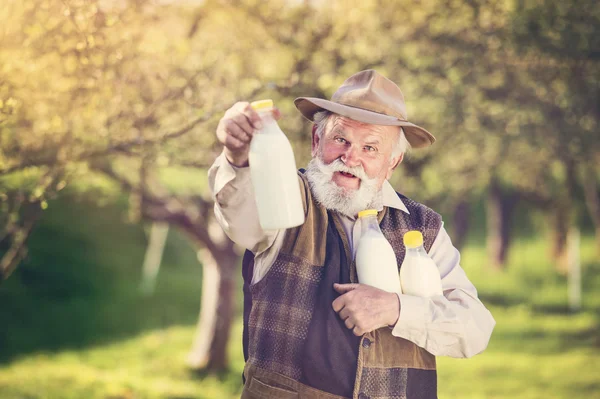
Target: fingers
338,303
247,117
237,126
352,320
344,313
343,288
348,311
244,124
276,113
349,323
232,129
234,143
356,330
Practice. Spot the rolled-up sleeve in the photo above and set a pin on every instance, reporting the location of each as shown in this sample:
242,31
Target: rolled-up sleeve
455,324
235,207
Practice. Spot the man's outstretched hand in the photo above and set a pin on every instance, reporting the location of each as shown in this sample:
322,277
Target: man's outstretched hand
364,308
236,129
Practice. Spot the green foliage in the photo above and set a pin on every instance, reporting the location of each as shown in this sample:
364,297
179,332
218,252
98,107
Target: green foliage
507,87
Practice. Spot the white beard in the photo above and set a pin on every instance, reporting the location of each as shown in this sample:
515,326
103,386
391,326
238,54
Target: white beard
336,198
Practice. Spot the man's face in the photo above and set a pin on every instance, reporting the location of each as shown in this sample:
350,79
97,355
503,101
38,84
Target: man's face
350,163
356,144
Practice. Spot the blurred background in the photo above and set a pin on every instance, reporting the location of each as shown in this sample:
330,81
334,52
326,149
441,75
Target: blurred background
116,280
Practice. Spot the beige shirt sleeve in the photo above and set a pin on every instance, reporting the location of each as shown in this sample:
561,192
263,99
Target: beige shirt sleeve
455,324
235,206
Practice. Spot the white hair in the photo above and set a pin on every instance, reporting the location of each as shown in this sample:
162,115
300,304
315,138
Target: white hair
322,118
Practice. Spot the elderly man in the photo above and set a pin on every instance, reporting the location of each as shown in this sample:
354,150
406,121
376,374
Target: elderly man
311,330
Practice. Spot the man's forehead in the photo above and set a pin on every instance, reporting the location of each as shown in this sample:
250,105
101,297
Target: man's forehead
342,124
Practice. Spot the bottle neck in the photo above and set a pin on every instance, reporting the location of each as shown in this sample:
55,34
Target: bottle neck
266,116
417,251
369,224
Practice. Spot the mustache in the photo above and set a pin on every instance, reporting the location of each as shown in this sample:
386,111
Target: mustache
339,166
336,198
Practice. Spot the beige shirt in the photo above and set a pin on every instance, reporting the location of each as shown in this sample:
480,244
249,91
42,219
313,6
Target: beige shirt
456,324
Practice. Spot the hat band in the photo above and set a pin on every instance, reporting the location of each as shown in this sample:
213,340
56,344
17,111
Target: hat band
371,106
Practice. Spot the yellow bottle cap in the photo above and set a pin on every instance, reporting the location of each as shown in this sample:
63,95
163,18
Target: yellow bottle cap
413,239
262,105
367,212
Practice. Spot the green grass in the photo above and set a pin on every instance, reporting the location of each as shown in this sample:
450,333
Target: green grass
73,324
150,365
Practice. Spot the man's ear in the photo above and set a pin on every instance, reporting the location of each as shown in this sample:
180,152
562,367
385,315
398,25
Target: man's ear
315,140
394,164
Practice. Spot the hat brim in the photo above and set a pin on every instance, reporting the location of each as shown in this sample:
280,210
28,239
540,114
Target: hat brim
416,135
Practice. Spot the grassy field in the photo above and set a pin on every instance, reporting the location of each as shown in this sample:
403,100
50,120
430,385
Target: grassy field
73,324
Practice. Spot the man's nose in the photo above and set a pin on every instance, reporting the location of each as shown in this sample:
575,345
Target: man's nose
351,157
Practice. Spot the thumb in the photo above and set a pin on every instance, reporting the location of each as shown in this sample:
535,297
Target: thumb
276,113
343,288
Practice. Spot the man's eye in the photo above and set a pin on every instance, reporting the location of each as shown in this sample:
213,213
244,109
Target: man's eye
340,140
370,149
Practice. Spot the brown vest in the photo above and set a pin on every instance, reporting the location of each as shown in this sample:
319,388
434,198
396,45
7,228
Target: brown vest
279,308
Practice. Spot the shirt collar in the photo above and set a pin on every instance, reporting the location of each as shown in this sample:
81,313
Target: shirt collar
391,199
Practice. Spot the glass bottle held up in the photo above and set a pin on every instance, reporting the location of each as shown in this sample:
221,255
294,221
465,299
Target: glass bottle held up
274,174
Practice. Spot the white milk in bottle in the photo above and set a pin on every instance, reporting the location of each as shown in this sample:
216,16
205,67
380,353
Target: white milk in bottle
274,175
375,259
419,274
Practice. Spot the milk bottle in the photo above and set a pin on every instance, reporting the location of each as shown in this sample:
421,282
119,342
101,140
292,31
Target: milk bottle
419,275
273,173
375,259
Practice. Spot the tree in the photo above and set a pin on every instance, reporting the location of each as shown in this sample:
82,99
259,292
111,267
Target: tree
134,98
130,92
88,96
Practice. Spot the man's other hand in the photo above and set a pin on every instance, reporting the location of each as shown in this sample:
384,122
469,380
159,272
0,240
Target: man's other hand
364,308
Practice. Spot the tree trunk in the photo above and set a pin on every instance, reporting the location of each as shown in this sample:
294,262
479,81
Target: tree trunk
561,219
499,210
16,244
153,258
209,350
193,216
560,227
461,223
592,200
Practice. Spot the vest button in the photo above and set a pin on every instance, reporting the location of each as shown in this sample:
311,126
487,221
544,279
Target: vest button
366,344
363,396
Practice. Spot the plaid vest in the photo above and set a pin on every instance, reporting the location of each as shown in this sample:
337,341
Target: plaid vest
279,308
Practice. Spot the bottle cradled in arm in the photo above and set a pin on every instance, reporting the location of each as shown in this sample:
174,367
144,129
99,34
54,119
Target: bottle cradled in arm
376,263
419,275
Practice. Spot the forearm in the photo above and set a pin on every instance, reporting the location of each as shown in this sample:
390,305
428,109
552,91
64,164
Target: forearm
235,207
455,324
